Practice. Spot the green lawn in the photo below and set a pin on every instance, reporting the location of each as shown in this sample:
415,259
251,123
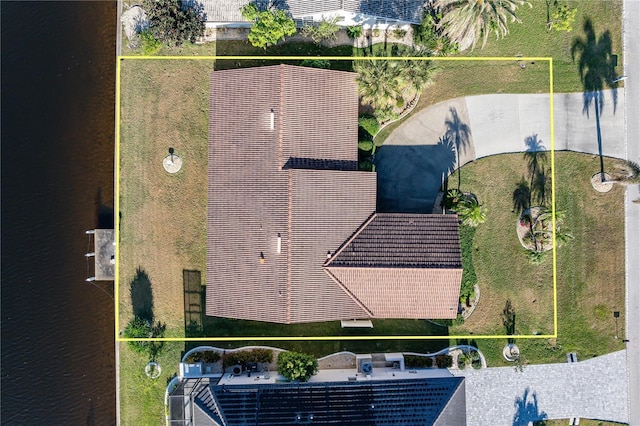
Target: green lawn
163,218
590,269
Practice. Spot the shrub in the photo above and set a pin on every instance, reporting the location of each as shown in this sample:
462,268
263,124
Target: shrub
325,30
469,278
297,366
354,31
139,328
260,355
208,357
415,361
316,63
149,44
269,26
365,145
562,19
172,23
399,33
444,361
369,123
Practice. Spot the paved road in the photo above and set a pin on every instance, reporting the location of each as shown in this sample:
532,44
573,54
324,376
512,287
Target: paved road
631,34
595,388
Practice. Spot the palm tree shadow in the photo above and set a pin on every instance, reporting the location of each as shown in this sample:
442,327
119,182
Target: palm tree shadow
521,196
536,157
527,410
459,133
597,72
142,296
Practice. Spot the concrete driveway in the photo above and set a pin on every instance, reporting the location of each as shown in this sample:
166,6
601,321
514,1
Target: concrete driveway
417,154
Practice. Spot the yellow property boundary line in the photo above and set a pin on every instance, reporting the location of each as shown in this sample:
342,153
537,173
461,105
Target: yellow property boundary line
311,338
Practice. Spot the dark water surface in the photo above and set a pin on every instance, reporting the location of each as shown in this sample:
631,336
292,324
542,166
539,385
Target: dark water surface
58,82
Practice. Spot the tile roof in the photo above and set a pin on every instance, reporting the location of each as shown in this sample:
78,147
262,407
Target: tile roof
424,401
267,184
404,10
253,199
403,240
402,266
403,292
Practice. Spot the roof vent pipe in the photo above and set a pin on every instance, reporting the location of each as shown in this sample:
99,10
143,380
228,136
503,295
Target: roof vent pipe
279,245
273,119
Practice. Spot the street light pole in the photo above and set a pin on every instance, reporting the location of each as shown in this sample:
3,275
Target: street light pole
616,315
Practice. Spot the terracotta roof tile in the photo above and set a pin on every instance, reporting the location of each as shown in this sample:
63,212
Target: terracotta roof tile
403,292
252,198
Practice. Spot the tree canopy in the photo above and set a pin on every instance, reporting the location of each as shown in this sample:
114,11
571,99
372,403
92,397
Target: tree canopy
269,26
476,19
173,22
297,366
388,85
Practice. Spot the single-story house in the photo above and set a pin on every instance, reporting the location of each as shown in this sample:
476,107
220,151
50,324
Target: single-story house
368,13
370,395
293,234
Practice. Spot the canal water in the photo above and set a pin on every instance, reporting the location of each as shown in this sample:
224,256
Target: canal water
58,83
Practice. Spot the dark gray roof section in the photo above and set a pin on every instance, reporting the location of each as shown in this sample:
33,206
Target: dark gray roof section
363,403
320,164
399,240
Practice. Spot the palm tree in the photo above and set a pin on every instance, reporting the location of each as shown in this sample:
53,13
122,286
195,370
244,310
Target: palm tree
386,84
380,82
471,212
464,19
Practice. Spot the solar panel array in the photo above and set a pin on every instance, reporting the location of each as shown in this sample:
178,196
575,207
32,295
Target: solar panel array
384,402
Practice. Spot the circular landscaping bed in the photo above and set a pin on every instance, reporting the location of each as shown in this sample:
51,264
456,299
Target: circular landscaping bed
600,185
534,229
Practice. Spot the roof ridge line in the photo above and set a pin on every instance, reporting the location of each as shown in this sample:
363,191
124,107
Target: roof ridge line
348,241
349,293
290,193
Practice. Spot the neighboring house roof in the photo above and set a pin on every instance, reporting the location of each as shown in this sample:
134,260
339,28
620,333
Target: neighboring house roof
403,266
284,194
401,10
425,401
253,197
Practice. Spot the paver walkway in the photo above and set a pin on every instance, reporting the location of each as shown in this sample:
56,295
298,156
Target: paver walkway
413,159
595,389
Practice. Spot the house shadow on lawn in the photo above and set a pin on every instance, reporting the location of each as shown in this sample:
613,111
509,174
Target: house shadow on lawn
410,176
